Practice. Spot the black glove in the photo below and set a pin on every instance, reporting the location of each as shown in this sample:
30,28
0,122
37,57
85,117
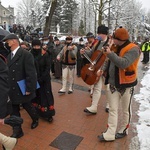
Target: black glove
13,121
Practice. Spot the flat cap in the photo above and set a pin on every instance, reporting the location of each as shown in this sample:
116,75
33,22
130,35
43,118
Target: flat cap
10,36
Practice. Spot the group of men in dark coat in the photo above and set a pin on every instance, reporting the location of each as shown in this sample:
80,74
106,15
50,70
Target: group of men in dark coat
33,67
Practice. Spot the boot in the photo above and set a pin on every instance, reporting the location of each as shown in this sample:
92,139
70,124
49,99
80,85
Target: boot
93,107
64,85
70,89
17,132
7,142
34,124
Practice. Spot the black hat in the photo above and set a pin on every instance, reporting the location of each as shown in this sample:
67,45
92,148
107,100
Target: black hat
102,29
36,42
68,38
56,38
10,36
90,35
81,39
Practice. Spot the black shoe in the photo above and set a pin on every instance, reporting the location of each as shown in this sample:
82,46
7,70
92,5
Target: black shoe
62,92
120,135
34,124
50,119
17,133
101,139
107,110
70,92
89,112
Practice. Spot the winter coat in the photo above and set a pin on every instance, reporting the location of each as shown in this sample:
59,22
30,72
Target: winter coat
21,67
44,97
4,88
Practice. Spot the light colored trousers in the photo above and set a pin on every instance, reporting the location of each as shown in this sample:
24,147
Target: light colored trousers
115,99
7,142
67,72
97,95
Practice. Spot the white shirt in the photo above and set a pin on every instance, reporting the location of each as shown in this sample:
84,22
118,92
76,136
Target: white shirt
15,50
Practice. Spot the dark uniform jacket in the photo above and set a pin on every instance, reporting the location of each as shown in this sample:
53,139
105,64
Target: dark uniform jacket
21,67
4,88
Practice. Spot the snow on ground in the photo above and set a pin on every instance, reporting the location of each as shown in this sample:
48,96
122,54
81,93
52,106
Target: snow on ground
143,126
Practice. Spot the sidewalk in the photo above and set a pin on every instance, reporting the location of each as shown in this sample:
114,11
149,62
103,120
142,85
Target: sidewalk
71,119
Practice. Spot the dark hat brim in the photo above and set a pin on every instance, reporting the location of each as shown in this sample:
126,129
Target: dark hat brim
9,37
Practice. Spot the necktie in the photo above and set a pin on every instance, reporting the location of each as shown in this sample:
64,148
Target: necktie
12,55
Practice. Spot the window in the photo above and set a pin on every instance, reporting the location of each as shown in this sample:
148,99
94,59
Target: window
4,13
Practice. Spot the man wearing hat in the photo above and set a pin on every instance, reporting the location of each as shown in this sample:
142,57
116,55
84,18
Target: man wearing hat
102,40
122,77
68,57
91,42
79,58
57,64
21,67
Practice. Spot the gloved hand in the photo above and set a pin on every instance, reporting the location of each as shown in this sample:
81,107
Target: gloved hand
13,121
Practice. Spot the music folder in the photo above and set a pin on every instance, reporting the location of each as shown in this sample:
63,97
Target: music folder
22,86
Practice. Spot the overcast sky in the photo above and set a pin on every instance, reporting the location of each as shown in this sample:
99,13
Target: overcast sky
146,3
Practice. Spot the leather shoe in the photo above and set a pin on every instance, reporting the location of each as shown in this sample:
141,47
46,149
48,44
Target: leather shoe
120,135
17,134
34,124
101,139
89,112
62,92
107,110
50,119
70,92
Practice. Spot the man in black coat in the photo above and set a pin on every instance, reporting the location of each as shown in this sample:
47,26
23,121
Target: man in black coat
7,142
21,67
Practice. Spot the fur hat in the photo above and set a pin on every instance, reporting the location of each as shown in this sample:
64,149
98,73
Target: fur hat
68,38
102,29
121,34
36,42
90,35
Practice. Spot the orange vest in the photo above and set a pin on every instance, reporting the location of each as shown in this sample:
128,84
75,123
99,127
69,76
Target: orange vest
128,75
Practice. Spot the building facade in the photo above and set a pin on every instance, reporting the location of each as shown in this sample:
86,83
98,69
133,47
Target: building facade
6,17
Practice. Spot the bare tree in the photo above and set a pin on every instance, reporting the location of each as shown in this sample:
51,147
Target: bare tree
28,12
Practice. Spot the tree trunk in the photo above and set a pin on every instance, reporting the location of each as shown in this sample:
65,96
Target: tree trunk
100,12
49,18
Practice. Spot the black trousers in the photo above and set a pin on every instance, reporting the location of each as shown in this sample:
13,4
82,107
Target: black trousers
146,56
28,107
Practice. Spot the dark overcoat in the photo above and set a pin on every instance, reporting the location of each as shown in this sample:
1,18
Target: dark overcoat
4,88
21,67
44,96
